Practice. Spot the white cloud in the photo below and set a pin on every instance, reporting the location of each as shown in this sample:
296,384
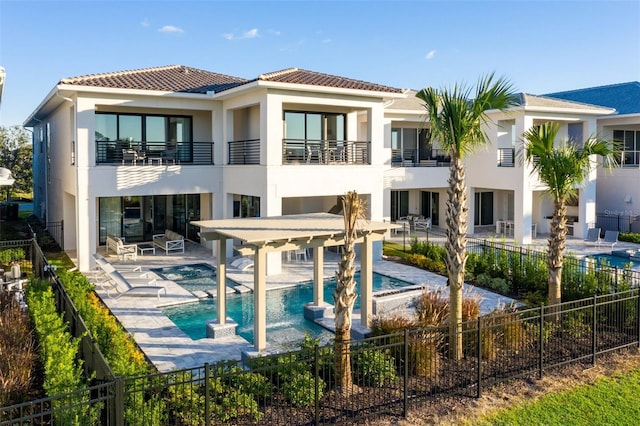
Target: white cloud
326,40
430,55
252,33
145,23
171,29
274,32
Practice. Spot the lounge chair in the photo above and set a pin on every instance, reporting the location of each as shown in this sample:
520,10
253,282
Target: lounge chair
134,286
593,236
136,282
242,263
611,237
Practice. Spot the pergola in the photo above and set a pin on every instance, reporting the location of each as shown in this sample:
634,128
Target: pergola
259,236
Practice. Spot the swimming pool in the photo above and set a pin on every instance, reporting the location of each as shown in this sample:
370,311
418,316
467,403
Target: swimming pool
286,325
621,262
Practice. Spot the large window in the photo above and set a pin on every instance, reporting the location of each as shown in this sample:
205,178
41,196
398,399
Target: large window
411,144
399,204
149,133
138,218
316,126
430,206
246,206
483,211
629,143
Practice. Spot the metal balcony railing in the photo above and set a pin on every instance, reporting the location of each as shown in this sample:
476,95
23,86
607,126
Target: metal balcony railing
153,153
506,157
244,151
314,151
420,158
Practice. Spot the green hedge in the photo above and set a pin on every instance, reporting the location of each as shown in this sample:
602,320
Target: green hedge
59,354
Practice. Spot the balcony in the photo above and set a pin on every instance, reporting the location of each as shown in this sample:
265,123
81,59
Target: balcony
313,151
420,158
506,157
629,159
244,152
147,153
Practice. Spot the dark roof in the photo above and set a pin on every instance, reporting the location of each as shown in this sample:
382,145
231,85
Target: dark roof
299,76
624,97
178,78
171,78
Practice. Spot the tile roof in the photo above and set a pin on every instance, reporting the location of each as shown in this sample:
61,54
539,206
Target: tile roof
178,78
526,99
300,76
624,97
171,78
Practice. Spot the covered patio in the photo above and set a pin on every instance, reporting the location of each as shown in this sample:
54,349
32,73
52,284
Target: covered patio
260,237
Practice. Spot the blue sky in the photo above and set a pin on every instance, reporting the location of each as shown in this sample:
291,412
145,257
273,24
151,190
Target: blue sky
540,46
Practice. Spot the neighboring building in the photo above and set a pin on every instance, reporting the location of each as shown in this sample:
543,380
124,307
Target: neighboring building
618,191
132,153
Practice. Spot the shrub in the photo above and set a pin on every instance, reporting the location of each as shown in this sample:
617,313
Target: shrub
432,309
498,285
59,354
10,255
300,389
374,367
629,237
424,353
17,352
438,266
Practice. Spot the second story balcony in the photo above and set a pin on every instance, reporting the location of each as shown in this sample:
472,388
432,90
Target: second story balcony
153,153
420,158
315,151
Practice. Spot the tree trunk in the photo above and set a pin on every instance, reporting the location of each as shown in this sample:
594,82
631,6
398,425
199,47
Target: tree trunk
557,240
455,245
344,295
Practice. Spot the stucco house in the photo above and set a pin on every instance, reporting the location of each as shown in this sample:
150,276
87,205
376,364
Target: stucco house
133,153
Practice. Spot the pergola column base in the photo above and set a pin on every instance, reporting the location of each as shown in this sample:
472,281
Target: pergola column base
314,312
216,330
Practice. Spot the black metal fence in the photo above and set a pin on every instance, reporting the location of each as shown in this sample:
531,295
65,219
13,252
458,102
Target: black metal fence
48,233
391,374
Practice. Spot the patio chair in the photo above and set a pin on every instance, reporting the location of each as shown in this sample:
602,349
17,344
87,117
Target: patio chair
168,155
242,263
611,237
133,286
593,236
130,155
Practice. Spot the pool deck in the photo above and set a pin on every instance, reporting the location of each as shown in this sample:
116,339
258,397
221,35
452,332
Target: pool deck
168,348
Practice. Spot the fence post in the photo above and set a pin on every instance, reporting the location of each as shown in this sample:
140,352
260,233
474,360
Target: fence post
594,325
207,397
479,394
316,400
541,343
405,402
638,314
118,405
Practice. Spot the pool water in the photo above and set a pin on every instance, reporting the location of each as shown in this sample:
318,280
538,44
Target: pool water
286,325
615,261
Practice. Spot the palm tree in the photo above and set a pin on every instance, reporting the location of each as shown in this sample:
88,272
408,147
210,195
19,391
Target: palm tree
344,295
456,122
562,168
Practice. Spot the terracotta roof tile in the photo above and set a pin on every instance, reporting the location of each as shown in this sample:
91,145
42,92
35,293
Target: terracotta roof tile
171,78
299,76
